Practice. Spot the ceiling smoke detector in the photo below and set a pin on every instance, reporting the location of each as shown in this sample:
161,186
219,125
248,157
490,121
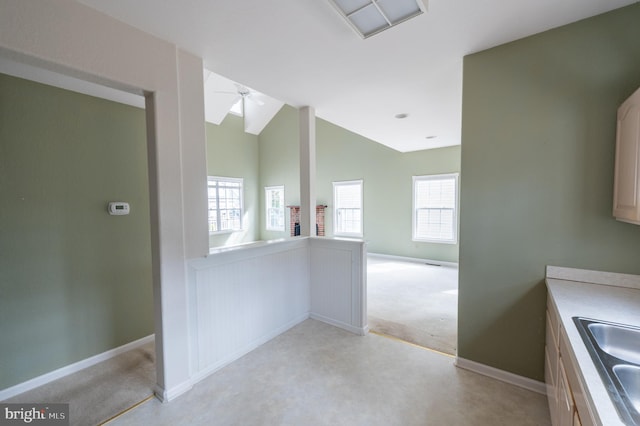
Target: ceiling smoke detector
369,17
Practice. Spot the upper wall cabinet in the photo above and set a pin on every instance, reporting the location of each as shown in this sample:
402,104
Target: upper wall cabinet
626,191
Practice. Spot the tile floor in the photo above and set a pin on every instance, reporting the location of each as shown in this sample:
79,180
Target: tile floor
316,374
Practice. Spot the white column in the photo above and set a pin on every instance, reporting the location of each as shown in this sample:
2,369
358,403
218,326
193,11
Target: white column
167,194
193,154
307,171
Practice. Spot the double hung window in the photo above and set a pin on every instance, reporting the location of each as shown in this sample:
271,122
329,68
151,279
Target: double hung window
225,204
435,208
274,201
347,201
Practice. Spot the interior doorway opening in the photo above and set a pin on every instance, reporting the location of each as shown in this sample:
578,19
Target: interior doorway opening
413,301
68,156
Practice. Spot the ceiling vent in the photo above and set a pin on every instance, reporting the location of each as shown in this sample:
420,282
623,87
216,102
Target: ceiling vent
369,17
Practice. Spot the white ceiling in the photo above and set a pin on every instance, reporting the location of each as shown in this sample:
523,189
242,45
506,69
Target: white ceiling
304,54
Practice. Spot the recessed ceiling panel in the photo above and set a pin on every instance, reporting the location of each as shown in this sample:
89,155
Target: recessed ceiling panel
350,6
369,20
399,10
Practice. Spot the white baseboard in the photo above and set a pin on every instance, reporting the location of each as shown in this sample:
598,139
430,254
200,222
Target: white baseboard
166,395
70,369
361,331
504,376
414,260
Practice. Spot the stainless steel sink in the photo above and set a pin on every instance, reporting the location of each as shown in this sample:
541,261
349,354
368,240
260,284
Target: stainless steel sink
622,342
629,377
615,351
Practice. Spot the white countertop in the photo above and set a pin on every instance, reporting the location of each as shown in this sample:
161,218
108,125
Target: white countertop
597,301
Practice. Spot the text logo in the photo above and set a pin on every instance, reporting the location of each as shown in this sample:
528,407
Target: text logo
34,414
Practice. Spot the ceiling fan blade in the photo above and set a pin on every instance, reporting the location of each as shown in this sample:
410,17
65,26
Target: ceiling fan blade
255,100
225,93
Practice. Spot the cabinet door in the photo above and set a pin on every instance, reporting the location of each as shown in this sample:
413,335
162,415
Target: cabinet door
566,407
626,198
551,382
576,419
551,366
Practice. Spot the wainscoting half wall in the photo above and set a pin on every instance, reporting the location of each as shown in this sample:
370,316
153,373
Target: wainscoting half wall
242,297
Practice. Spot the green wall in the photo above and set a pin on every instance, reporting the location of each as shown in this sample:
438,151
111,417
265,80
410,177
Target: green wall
233,153
74,281
538,142
280,164
343,155
387,188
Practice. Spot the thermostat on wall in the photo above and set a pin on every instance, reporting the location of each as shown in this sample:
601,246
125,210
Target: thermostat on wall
118,208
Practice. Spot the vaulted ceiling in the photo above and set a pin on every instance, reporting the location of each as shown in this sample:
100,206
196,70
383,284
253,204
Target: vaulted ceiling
303,53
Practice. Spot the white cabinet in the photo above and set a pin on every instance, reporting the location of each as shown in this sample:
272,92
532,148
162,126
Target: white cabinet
626,191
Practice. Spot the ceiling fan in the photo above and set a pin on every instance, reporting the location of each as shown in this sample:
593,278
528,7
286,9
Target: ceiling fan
243,95
223,96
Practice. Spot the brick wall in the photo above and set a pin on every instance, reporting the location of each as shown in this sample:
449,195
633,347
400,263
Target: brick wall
295,219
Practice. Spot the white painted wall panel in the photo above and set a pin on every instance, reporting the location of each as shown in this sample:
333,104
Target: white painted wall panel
338,283
331,290
241,299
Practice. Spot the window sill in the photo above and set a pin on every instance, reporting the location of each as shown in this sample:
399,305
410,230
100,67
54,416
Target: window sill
450,242
230,231
349,235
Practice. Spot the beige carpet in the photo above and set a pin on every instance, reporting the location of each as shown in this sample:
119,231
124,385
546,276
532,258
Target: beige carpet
414,302
102,391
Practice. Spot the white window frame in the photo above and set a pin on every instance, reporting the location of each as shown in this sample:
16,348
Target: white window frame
239,181
270,210
337,210
454,230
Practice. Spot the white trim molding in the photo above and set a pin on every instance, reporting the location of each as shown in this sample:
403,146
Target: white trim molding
360,331
414,260
71,368
503,376
166,395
